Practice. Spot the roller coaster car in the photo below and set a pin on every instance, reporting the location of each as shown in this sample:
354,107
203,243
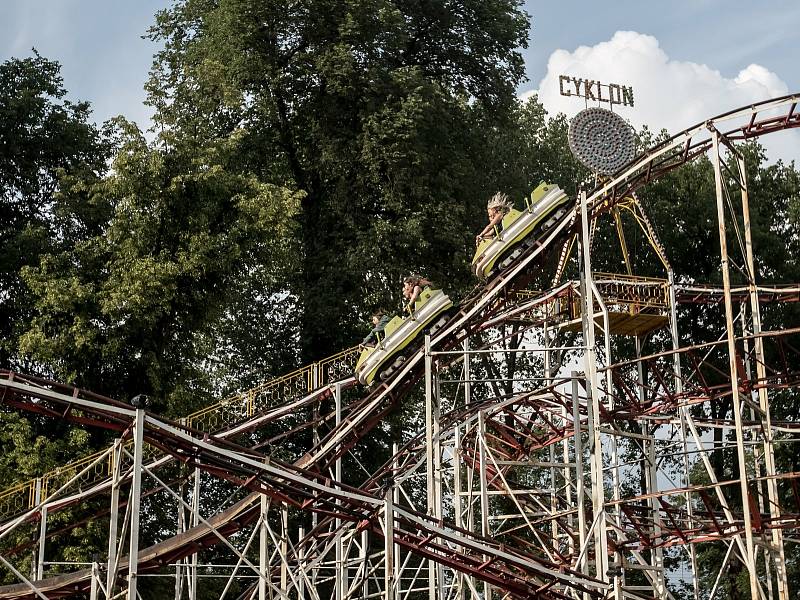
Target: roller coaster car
541,213
387,355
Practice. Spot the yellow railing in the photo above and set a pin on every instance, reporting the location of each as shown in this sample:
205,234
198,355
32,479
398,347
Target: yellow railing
635,293
630,293
214,418
17,499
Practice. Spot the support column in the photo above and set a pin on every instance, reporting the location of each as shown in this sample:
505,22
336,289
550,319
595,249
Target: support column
487,589
433,458
396,557
749,558
284,546
469,522
593,404
37,549
181,529
263,545
135,502
340,581
39,573
650,466
580,493
766,419
676,369
548,373
93,589
315,440
388,537
364,556
301,561
195,521
459,576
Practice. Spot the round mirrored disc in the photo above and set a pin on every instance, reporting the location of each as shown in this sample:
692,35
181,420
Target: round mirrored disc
601,140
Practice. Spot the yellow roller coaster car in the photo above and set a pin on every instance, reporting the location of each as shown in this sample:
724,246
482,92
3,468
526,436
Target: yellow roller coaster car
387,355
541,213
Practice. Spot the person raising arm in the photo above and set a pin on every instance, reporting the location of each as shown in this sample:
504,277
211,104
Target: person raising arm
497,208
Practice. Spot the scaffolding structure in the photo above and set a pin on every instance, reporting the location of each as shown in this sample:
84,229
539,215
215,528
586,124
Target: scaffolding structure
554,456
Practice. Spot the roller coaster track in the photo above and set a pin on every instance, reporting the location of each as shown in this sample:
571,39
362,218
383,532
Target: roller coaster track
510,570
534,425
289,484
279,397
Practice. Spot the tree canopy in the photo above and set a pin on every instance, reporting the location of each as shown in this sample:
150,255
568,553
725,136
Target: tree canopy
375,111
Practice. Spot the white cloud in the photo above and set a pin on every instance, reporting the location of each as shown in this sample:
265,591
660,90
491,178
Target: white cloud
668,94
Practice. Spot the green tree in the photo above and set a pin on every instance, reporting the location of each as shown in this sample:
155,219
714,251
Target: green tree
131,309
375,110
44,140
43,137
135,308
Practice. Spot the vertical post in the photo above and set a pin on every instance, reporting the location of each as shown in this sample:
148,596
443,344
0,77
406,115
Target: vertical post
340,572
593,405
469,523
284,546
487,589
42,536
111,573
758,459
396,558
548,373
750,561
432,455
195,521
566,471
301,560
769,450
365,563
388,537
135,501
37,498
95,579
657,557
579,491
459,576
263,541
181,529
649,465
676,369
315,439
467,373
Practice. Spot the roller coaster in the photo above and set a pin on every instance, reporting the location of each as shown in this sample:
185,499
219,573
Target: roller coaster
583,475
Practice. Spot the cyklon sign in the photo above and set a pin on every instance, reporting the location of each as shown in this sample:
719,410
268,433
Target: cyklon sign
591,89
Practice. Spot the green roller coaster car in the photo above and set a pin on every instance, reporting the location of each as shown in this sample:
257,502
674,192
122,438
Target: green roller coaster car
387,355
541,213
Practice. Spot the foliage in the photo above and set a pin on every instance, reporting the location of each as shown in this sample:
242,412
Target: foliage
129,311
43,137
374,109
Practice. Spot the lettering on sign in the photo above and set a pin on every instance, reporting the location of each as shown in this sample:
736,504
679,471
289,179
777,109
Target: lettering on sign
591,89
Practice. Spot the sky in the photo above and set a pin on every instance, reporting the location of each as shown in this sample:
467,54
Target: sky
687,60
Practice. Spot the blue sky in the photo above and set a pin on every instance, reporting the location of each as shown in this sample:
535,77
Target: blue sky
725,35
701,49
